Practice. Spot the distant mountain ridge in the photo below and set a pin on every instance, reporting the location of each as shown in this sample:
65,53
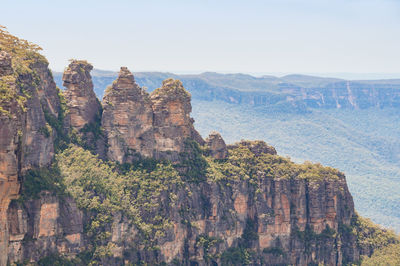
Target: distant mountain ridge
291,93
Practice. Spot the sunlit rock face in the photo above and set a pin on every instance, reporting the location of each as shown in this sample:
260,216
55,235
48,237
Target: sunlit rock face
127,119
172,123
83,115
26,138
82,103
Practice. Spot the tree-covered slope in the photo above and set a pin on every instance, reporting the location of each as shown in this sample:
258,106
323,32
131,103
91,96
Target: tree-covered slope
361,137
362,143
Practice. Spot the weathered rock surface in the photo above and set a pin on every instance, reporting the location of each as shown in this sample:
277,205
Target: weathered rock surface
82,103
44,226
83,117
137,123
217,146
26,138
127,119
172,122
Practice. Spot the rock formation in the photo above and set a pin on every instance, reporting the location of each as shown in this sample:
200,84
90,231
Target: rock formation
217,146
172,122
137,123
82,103
252,207
84,110
26,138
127,119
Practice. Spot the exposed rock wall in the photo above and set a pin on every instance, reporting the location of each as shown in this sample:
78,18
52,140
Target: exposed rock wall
45,226
26,138
154,125
172,122
82,103
84,110
127,119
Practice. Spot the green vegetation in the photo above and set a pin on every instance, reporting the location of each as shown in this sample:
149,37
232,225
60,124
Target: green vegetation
171,87
192,162
370,235
23,56
42,179
388,256
207,242
243,164
102,189
236,256
58,260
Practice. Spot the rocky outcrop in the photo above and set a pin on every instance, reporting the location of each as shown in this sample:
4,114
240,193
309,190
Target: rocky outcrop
82,103
217,146
29,99
172,122
127,120
83,117
138,124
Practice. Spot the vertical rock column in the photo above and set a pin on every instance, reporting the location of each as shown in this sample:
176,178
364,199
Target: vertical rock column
127,119
10,126
172,122
84,109
26,138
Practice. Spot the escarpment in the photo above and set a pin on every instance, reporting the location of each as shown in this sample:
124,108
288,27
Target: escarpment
29,98
133,182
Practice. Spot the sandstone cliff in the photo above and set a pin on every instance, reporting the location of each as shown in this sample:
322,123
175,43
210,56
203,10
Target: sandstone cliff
138,124
160,198
28,97
82,103
84,109
127,119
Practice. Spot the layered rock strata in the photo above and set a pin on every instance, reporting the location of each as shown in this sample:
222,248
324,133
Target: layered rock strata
127,119
149,125
82,103
84,110
29,98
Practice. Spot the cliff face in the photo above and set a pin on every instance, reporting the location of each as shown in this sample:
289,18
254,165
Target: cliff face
127,119
199,205
28,95
285,215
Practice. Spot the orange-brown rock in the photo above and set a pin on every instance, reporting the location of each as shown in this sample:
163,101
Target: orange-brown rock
127,119
82,103
53,225
217,146
172,123
26,138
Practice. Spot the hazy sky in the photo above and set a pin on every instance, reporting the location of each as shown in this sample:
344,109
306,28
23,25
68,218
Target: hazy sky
302,36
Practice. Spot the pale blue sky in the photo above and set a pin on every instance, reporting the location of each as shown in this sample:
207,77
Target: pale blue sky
289,36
